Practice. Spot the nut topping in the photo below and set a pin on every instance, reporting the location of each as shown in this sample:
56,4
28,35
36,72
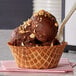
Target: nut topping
27,31
36,25
32,35
41,12
56,24
40,19
35,14
36,45
34,31
21,31
22,44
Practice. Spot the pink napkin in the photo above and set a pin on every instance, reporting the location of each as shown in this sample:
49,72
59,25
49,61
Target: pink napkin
10,65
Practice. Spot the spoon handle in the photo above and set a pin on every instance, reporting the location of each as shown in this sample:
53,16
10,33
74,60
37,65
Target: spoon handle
60,31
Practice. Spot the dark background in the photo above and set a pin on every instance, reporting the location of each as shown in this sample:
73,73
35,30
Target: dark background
14,12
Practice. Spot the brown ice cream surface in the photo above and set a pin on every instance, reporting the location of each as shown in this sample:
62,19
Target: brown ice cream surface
45,26
39,30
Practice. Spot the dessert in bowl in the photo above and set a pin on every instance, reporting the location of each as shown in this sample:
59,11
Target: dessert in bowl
34,44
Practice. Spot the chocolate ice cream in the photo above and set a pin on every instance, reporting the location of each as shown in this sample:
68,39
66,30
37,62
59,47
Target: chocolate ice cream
23,35
39,30
45,26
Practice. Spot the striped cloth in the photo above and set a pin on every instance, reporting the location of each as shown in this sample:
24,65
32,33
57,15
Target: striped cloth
63,66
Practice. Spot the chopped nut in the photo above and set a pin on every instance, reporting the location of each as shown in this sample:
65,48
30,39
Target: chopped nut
36,25
27,31
28,24
29,21
40,19
22,44
21,31
52,44
32,35
45,15
34,31
56,24
35,14
25,26
41,12
36,45
24,23
20,27
48,14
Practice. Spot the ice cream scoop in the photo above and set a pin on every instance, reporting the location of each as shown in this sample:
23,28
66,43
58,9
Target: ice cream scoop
22,35
45,26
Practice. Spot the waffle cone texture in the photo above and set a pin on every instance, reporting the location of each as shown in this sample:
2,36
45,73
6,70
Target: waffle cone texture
41,57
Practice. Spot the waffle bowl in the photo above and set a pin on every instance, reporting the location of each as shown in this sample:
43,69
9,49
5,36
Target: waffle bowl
40,57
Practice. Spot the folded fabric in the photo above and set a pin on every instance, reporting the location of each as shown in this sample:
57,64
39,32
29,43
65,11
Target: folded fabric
10,66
